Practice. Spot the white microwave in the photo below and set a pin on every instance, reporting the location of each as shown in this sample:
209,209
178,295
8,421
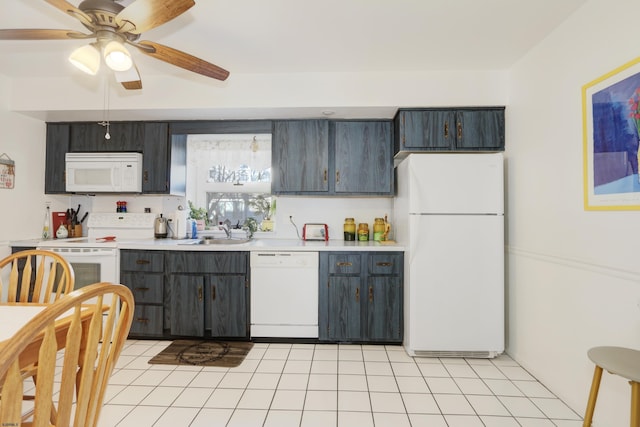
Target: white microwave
103,172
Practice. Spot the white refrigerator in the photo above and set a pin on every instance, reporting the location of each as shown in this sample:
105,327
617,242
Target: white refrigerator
449,213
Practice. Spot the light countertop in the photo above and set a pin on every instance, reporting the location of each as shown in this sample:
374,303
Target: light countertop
258,244
261,245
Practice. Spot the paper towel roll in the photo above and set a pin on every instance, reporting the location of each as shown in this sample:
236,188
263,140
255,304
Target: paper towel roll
180,223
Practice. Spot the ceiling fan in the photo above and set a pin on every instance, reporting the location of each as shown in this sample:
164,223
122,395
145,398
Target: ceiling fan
113,26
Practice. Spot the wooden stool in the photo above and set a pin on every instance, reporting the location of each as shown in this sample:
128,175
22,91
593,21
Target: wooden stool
621,361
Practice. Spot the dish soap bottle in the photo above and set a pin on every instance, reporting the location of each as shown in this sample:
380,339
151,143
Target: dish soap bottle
46,227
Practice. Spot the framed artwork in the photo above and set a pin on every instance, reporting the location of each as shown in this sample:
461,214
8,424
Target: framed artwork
611,131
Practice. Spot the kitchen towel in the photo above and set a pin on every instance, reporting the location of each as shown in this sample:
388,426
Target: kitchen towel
228,354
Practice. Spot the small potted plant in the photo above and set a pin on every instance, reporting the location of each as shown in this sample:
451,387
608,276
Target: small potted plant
266,209
199,215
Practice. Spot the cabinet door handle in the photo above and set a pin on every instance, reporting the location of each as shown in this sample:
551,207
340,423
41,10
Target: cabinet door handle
446,129
213,293
324,176
142,261
459,130
370,293
344,264
141,289
384,264
142,320
357,294
337,176
146,176
200,293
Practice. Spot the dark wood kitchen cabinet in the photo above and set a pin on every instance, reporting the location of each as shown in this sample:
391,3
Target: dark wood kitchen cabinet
90,137
342,157
209,295
439,129
143,272
163,154
56,149
361,297
363,157
300,157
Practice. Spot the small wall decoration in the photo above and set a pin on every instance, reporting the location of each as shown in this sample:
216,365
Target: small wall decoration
611,132
7,171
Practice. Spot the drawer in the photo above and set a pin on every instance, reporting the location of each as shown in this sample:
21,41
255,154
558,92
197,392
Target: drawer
142,261
344,264
147,288
147,321
207,262
385,263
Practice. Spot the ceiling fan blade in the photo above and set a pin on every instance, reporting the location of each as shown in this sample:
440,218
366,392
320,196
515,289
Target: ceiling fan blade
129,79
144,15
36,34
70,9
181,59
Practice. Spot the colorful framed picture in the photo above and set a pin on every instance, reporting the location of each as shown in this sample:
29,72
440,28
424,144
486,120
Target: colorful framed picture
611,131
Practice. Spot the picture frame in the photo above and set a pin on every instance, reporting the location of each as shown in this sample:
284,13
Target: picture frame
611,135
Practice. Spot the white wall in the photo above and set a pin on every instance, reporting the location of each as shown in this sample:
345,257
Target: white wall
23,140
573,276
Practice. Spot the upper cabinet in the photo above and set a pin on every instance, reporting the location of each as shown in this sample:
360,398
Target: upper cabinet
300,157
460,129
363,157
163,156
322,157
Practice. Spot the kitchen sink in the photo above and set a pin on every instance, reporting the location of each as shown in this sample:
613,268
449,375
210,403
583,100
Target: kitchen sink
223,241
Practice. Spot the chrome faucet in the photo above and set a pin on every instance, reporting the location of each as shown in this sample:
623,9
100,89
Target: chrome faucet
226,226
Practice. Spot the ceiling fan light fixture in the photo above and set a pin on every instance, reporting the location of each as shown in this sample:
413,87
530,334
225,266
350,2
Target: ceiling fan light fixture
86,58
117,56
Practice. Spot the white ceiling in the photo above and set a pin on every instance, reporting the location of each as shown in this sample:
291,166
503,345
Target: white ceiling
298,36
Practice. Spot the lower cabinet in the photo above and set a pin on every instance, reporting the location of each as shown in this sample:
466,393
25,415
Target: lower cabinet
143,273
208,294
361,296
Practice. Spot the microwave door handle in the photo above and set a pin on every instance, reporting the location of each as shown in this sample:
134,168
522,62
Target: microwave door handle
115,177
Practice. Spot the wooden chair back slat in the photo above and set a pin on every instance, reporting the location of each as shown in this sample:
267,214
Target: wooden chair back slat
97,320
45,276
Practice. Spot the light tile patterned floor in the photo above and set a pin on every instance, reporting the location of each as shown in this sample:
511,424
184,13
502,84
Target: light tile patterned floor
327,385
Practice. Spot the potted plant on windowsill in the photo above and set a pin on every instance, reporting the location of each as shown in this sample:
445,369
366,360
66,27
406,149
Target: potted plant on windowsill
199,215
267,209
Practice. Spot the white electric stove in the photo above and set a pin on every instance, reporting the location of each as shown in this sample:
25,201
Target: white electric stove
95,258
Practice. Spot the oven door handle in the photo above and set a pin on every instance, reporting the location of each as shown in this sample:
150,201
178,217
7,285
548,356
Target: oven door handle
82,254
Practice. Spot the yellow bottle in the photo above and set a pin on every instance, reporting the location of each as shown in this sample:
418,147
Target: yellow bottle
363,232
378,229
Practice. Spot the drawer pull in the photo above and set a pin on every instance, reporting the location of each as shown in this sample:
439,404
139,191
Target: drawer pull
324,176
370,294
337,176
142,261
141,289
357,294
384,264
200,293
446,130
142,320
344,264
459,130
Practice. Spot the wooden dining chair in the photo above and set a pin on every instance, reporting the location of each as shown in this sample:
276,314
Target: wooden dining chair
35,275
621,361
84,332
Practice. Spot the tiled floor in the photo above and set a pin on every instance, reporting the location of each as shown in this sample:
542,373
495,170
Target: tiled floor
329,385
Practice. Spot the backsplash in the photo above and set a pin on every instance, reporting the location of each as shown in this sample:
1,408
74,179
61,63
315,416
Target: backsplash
329,210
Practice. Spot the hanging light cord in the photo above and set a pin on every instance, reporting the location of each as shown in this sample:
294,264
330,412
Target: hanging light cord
105,108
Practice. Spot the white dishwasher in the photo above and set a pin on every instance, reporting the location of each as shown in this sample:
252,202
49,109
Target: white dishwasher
284,294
